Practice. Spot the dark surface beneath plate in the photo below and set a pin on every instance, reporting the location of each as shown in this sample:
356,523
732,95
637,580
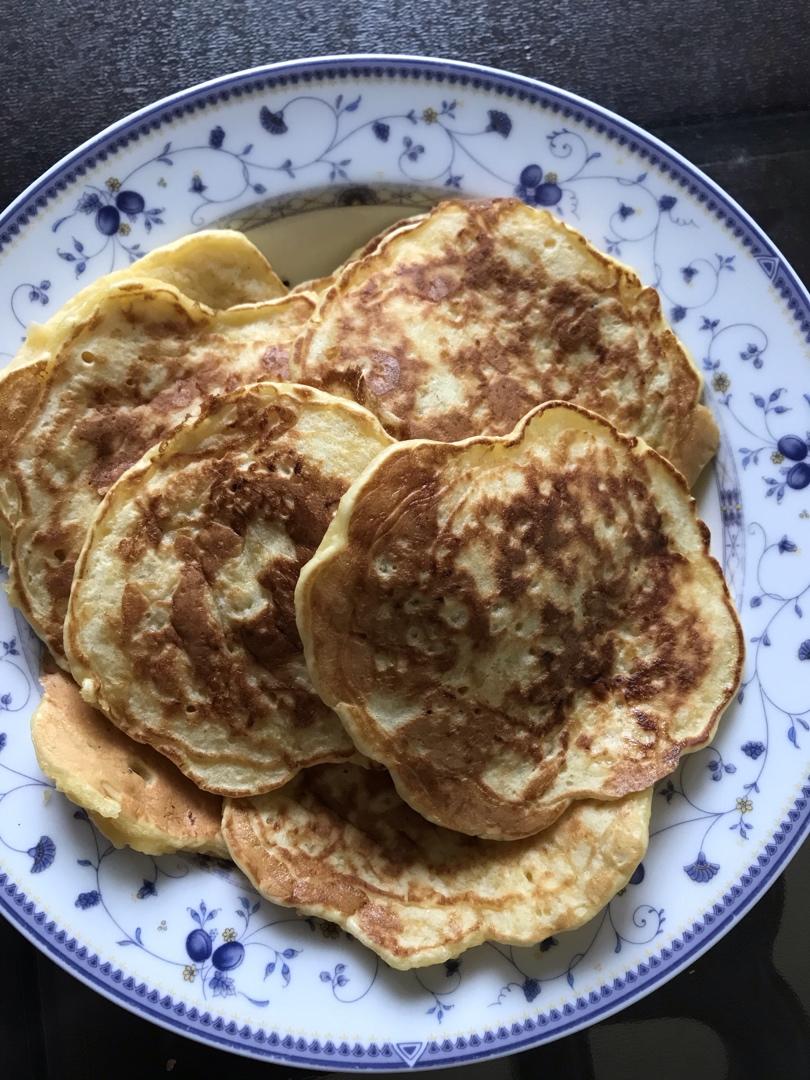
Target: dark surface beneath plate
726,85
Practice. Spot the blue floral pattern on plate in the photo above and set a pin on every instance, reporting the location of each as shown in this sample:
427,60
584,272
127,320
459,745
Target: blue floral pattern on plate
234,968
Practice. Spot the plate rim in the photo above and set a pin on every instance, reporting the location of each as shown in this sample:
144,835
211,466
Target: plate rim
775,853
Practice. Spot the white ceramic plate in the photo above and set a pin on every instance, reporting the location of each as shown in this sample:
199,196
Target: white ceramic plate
185,942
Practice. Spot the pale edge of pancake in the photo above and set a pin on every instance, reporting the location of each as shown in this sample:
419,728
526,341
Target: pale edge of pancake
136,797
407,934
335,542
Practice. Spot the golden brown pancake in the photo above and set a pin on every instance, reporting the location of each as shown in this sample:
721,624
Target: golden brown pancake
338,842
460,323
513,623
122,378
181,625
134,795
218,268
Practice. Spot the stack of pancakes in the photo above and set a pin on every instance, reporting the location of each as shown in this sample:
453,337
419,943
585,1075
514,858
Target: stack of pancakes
389,587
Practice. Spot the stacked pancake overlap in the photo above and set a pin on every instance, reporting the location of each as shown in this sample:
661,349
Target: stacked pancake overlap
132,793
217,268
181,625
340,843
119,381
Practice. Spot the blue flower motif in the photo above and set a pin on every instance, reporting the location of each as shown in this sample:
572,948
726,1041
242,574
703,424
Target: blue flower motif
533,189
499,122
222,985
381,130
2,740
717,767
273,122
625,211
677,313
786,545
548,943
147,889
89,202
5,702
88,899
669,791
638,875
804,650
701,870
731,506
38,294
753,749
530,988
216,137
10,647
451,967
412,150
197,186
688,272
666,202
43,853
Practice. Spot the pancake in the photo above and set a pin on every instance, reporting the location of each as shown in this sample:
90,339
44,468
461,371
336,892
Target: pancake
133,794
143,360
181,625
512,623
339,843
219,268
460,323
315,287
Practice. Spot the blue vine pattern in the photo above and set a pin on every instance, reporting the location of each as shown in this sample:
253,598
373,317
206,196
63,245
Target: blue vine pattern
114,219
117,216
777,607
530,983
43,852
348,989
787,450
210,965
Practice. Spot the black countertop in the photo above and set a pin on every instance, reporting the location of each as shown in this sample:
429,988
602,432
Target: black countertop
728,85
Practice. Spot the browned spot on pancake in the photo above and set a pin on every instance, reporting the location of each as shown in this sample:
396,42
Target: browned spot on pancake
200,636
134,606
131,548
380,923
276,361
382,373
60,578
